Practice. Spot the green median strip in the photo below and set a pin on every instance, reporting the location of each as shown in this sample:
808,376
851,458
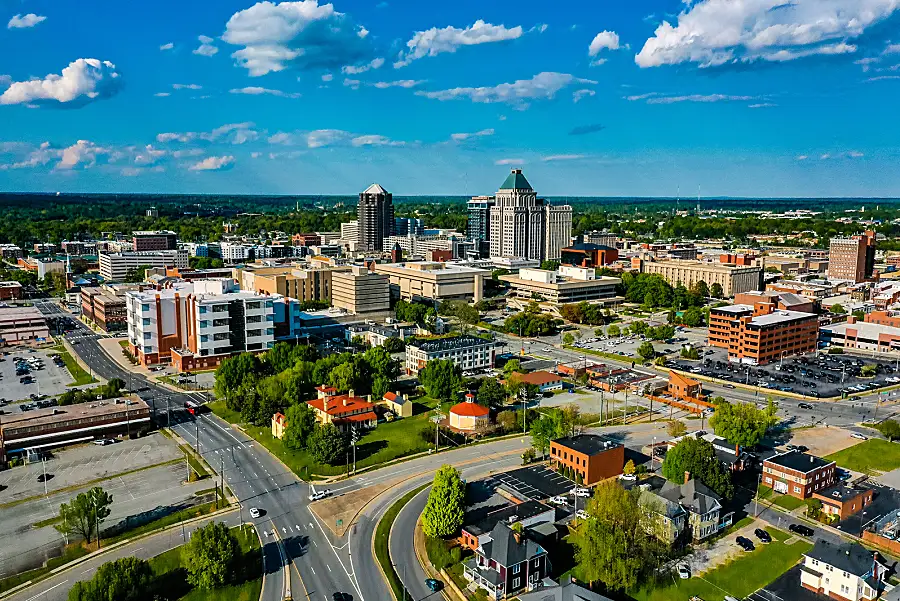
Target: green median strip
48,522
382,548
81,377
68,555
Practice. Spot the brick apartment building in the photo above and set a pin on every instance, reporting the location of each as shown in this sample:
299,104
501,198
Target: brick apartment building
852,258
844,501
798,474
104,308
684,388
592,457
759,334
11,291
154,240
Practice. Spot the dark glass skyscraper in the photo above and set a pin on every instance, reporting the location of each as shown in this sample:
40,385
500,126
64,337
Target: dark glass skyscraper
376,217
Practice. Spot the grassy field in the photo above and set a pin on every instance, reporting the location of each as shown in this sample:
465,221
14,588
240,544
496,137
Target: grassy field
739,578
388,441
870,457
784,501
81,377
171,574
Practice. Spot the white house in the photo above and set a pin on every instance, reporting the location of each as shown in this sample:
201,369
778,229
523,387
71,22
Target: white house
846,571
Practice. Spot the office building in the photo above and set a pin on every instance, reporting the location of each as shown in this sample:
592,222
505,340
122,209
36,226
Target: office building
846,571
433,281
478,229
115,266
20,324
73,247
593,458
468,352
862,335
11,252
195,249
409,226
306,240
798,474
11,291
733,279
600,238
759,334
197,325
154,240
48,266
104,308
843,501
853,258
780,300
566,285
523,226
375,213
588,255
350,232
303,284
59,426
360,291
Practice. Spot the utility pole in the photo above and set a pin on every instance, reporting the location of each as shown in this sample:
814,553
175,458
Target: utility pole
197,435
222,479
756,511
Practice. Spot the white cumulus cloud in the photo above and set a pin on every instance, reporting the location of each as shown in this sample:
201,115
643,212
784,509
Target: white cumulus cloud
258,91
581,94
82,153
436,41
326,137
718,32
656,98
605,40
25,21
206,47
299,35
375,140
542,86
375,63
510,162
400,83
186,86
213,163
235,133
83,81
462,137
167,46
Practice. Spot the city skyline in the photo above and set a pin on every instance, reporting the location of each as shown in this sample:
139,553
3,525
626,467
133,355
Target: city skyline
313,98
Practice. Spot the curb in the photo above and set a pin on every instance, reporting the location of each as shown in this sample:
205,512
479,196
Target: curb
76,562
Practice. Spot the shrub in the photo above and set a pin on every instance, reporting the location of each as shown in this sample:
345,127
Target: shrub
438,554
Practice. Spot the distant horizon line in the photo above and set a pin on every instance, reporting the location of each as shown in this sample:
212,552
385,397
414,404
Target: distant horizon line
687,200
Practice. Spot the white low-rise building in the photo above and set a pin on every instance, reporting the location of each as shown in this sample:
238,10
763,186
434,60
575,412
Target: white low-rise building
114,267
468,352
848,571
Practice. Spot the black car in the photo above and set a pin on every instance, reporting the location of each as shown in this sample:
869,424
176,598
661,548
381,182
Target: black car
342,597
762,535
801,529
744,543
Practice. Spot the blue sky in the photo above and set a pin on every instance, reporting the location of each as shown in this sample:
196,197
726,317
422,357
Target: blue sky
637,97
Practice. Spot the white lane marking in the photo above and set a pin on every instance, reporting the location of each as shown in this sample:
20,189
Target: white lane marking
328,566
47,591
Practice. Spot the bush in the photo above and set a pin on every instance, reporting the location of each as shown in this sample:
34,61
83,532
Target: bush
836,350
438,554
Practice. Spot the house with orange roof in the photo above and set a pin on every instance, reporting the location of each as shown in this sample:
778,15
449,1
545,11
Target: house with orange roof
684,388
343,410
469,416
544,380
397,404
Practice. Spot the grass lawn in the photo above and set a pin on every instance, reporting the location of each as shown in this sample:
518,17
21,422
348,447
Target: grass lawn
81,376
784,501
739,577
171,574
388,441
871,456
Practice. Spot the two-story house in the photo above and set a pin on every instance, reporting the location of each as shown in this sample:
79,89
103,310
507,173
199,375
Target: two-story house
703,507
345,411
668,519
797,474
848,571
506,562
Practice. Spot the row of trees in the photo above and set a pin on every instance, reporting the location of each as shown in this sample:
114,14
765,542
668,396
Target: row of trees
531,322
586,313
652,291
111,390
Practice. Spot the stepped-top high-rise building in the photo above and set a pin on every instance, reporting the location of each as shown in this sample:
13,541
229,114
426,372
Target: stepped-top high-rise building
524,226
376,217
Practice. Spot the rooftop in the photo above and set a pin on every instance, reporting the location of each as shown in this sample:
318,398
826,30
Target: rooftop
470,409
538,378
841,493
781,316
340,405
863,329
797,461
448,344
19,313
44,417
510,514
375,189
589,444
847,557
588,246
516,181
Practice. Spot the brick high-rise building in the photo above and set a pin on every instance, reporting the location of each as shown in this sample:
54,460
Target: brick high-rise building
376,217
852,258
759,334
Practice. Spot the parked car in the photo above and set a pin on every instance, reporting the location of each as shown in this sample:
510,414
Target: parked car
580,492
805,406
254,512
744,543
859,436
684,572
434,585
628,477
801,529
558,500
581,514
762,535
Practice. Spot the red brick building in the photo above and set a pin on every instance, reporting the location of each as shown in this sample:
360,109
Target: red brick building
798,474
10,291
844,501
684,388
588,255
593,458
760,334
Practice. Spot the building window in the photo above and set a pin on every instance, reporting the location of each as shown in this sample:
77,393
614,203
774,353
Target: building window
145,307
517,568
146,321
797,489
517,582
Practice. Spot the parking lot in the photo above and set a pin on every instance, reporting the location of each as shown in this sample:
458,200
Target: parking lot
536,483
816,375
49,379
75,465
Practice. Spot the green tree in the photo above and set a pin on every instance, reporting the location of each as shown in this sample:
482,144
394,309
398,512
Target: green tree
698,458
629,467
692,317
646,350
676,428
210,556
83,515
346,377
327,444
443,514
550,265
441,379
300,424
233,373
136,274
616,546
513,366
125,579
813,508
890,429
491,393
838,309
741,423
716,291
701,289
508,421
380,385
613,331
393,345
568,339
380,363
689,352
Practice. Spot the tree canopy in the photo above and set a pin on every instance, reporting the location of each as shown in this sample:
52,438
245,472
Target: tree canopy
301,422
125,579
84,514
697,457
443,514
210,556
441,378
742,423
328,445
